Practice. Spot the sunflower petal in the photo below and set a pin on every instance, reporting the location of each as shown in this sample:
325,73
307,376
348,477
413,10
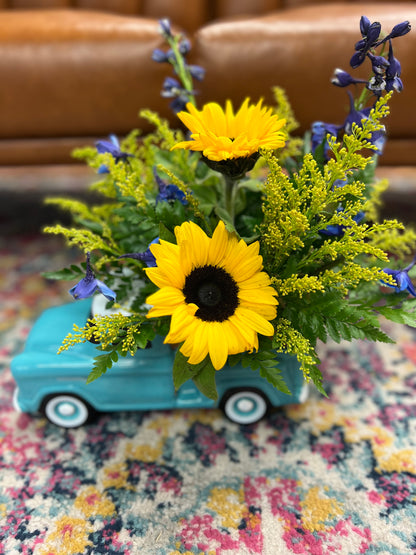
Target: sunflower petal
255,321
196,347
193,243
164,301
218,245
223,134
217,344
182,324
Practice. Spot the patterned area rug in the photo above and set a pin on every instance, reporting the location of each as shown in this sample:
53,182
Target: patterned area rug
334,475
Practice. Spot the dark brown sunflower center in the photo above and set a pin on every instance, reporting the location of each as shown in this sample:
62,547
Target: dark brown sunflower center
236,168
214,291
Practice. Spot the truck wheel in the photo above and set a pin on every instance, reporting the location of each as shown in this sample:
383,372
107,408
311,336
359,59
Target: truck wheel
245,406
67,411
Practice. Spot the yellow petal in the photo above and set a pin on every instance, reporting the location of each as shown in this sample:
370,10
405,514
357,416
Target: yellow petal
193,243
182,324
218,245
217,344
196,347
164,301
254,321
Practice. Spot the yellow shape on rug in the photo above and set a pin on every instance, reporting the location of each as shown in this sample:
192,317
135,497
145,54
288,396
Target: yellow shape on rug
317,510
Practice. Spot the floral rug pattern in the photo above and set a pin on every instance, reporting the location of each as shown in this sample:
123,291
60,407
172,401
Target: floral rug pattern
335,475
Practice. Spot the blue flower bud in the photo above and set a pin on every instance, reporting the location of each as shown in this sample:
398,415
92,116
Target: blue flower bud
171,88
341,78
364,24
165,27
159,56
197,72
393,72
184,47
147,257
378,63
400,29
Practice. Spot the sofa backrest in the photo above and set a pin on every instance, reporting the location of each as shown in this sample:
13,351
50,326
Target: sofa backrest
190,15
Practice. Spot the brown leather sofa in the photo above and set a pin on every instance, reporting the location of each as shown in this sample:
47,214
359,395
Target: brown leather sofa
73,71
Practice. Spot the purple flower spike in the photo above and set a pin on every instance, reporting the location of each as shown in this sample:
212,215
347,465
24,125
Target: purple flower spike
364,25
197,72
103,169
377,84
184,47
319,131
168,192
179,104
338,230
393,72
400,29
147,257
373,32
402,279
378,63
90,284
370,33
111,147
341,78
160,56
171,87
378,138
165,27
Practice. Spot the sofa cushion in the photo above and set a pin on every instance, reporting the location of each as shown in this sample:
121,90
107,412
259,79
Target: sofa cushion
298,50
72,73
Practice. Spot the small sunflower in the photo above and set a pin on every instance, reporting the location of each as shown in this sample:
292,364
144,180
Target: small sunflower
222,135
215,292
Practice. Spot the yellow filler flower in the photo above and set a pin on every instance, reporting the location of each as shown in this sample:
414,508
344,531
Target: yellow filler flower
223,135
215,291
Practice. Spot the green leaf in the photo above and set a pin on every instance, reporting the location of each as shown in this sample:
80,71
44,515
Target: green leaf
274,377
399,316
67,274
183,371
203,375
316,377
251,185
225,217
102,363
165,234
266,362
333,329
205,193
205,381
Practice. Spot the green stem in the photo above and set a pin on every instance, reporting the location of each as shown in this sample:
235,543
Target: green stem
180,68
361,102
230,193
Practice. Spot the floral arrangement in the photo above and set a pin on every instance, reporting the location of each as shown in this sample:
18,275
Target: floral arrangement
236,240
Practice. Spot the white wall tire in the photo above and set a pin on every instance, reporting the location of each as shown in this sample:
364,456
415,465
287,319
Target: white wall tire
66,411
245,406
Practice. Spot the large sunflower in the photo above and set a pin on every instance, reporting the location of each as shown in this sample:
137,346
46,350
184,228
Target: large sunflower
223,135
215,291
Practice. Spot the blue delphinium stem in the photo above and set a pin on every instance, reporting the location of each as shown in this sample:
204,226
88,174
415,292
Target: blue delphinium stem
182,91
